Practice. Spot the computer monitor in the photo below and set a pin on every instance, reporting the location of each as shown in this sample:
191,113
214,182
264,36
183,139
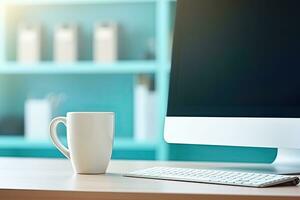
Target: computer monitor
235,76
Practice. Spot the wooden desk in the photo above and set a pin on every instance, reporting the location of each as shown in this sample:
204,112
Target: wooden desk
38,179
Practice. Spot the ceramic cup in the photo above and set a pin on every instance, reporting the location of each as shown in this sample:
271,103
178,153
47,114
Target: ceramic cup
90,140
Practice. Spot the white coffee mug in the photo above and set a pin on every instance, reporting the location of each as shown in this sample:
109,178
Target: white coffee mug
90,140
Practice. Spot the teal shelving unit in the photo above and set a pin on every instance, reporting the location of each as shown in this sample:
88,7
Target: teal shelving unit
103,87
2,30
139,21
19,146
122,67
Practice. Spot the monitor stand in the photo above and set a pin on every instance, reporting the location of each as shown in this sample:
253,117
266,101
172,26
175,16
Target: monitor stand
287,161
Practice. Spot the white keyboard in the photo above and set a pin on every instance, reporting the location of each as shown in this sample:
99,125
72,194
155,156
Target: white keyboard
215,176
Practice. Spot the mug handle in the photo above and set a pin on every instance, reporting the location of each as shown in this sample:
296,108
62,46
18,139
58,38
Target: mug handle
54,137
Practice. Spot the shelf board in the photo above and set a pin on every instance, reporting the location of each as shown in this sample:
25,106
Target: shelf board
60,2
21,143
121,67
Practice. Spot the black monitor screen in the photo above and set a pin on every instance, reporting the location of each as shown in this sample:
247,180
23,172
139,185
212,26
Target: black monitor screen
236,58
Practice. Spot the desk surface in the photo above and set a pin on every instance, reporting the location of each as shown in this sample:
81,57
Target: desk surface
54,179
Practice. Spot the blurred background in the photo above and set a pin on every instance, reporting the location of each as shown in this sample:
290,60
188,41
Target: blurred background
58,56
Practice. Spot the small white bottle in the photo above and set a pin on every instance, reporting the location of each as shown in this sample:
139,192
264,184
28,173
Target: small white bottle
145,123
38,114
29,43
65,43
106,42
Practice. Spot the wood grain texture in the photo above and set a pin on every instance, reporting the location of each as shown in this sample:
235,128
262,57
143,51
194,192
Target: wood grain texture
54,179
49,195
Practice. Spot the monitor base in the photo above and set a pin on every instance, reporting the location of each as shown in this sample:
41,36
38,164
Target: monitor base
287,161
